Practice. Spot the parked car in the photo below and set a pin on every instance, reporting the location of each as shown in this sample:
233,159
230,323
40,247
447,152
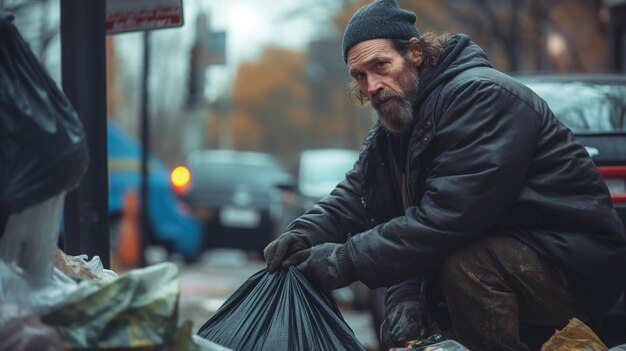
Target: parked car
593,106
236,195
320,170
171,224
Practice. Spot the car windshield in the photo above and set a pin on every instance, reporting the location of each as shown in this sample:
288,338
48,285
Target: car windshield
330,170
226,174
585,107
225,169
320,171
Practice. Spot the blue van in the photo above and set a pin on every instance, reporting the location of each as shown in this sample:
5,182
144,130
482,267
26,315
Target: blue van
171,224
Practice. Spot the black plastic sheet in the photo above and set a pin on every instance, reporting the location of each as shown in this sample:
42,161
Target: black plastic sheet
279,311
42,142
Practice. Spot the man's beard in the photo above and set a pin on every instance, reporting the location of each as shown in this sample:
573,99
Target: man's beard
395,109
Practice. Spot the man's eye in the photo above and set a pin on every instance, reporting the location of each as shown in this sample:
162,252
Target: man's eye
359,76
381,64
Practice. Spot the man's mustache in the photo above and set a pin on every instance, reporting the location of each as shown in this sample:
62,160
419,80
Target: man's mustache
384,95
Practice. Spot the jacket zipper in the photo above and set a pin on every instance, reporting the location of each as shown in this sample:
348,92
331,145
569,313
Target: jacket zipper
406,178
424,140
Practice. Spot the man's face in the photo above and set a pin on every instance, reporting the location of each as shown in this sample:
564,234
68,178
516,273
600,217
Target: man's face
387,79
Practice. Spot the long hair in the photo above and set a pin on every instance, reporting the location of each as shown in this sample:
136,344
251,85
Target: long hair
431,44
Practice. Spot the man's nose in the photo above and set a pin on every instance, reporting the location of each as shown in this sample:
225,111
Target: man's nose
374,84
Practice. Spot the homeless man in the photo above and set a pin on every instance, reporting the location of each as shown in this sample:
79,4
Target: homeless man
466,184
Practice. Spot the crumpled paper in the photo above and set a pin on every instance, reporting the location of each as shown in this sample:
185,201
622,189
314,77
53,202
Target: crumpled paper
576,335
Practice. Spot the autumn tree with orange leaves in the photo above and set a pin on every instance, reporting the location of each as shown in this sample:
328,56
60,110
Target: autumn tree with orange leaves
270,99
281,107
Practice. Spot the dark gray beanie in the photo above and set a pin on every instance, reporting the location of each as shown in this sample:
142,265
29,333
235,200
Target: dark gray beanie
378,20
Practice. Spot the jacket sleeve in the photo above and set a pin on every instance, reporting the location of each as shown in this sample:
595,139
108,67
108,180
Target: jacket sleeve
337,216
479,157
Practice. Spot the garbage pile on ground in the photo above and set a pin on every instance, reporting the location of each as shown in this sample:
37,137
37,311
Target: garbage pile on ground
64,302
137,310
54,301
49,300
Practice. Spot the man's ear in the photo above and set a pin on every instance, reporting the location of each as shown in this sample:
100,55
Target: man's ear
416,55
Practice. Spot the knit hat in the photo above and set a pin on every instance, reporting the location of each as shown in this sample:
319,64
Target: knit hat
380,19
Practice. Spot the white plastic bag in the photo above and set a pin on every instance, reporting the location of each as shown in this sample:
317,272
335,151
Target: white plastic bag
28,276
30,240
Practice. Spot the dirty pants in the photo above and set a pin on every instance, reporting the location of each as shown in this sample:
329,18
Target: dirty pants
493,284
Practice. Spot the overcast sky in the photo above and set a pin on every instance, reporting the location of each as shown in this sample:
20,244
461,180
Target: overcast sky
250,25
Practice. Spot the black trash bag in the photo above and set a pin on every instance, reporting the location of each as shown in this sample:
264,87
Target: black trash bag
42,142
279,311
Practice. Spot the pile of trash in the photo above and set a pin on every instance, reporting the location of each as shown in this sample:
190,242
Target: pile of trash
67,302
50,300
83,306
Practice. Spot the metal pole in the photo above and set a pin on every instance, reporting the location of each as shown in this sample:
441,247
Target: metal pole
83,66
145,148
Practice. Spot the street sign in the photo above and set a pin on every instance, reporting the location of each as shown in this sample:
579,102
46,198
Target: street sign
139,15
214,48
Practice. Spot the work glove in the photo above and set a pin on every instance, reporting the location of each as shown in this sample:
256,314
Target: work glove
282,247
320,264
406,314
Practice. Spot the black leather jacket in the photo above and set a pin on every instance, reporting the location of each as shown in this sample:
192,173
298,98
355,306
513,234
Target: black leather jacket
486,154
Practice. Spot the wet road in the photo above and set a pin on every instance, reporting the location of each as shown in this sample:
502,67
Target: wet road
207,284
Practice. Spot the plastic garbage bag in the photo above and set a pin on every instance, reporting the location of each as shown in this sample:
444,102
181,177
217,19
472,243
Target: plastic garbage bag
138,311
16,287
279,311
28,276
30,238
42,142
21,330
80,268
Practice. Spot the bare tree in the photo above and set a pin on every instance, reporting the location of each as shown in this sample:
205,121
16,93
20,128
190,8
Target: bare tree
520,28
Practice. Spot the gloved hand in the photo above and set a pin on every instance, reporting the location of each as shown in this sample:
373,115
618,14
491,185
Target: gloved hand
406,321
282,247
320,265
406,314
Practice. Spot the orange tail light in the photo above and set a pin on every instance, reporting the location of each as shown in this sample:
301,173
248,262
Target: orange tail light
180,179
